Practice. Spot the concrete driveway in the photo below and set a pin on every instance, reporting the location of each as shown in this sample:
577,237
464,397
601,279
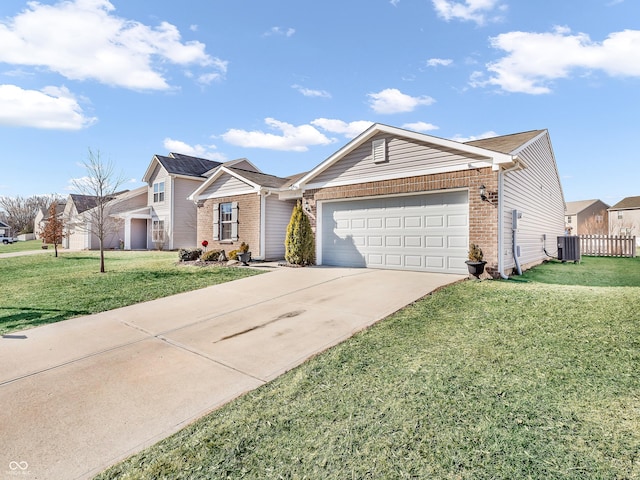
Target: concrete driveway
80,395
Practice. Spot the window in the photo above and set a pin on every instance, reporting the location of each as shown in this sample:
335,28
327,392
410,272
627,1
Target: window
158,192
599,218
619,215
226,221
157,231
568,219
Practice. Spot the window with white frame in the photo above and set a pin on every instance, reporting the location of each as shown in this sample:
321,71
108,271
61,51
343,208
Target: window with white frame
158,192
225,221
619,215
157,231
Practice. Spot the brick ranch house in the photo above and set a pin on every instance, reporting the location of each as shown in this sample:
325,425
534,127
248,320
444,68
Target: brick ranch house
393,198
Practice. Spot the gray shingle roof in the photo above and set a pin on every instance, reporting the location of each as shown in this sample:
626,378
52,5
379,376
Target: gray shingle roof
573,208
505,143
627,203
87,202
180,164
83,202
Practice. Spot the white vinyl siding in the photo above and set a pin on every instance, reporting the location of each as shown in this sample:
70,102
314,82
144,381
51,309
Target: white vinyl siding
536,192
426,232
226,185
277,217
184,214
406,158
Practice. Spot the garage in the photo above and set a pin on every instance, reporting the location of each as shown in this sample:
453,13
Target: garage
426,232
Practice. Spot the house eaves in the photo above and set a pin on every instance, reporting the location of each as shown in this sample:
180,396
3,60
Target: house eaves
494,158
628,203
575,208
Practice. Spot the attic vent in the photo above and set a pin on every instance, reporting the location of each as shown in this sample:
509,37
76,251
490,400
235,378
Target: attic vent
379,150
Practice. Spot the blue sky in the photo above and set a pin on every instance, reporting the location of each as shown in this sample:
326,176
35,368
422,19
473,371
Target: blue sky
287,83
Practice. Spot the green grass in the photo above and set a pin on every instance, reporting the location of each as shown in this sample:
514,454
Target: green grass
23,246
40,289
481,380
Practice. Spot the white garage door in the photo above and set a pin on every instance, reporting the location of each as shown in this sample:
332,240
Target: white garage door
419,232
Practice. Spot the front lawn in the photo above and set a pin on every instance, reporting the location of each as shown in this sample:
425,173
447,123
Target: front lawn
23,246
40,289
495,379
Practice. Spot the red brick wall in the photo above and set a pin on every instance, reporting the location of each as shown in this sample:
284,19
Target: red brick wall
248,223
483,216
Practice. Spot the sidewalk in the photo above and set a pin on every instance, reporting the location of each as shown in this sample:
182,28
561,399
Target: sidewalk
82,394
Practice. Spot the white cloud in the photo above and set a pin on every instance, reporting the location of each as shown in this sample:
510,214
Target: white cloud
279,31
394,2
435,62
459,138
349,130
307,92
201,151
478,11
83,39
392,100
420,126
52,108
533,60
291,138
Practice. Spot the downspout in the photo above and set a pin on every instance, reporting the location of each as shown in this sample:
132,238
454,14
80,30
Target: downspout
501,174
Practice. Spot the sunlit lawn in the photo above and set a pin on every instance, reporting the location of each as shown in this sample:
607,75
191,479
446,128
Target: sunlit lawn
481,380
40,289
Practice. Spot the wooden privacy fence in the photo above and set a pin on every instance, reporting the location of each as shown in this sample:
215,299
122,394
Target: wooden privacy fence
607,246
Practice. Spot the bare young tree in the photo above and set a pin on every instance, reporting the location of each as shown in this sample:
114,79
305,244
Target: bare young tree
102,183
53,230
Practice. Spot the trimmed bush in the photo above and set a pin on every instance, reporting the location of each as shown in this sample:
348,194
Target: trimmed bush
212,256
189,254
299,242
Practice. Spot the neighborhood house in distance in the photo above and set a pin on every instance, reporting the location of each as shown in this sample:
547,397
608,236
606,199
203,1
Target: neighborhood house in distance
390,198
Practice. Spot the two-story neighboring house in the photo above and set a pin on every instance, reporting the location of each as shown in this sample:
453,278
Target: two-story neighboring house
587,217
80,219
624,218
168,221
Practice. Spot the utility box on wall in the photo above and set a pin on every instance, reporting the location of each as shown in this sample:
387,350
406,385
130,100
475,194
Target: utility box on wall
569,248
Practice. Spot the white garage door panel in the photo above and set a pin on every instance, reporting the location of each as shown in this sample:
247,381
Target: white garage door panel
417,232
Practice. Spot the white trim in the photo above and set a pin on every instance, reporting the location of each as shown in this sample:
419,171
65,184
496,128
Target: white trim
527,144
395,176
404,194
230,194
320,203
494,157
149,171
197,194
263,227
319,232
